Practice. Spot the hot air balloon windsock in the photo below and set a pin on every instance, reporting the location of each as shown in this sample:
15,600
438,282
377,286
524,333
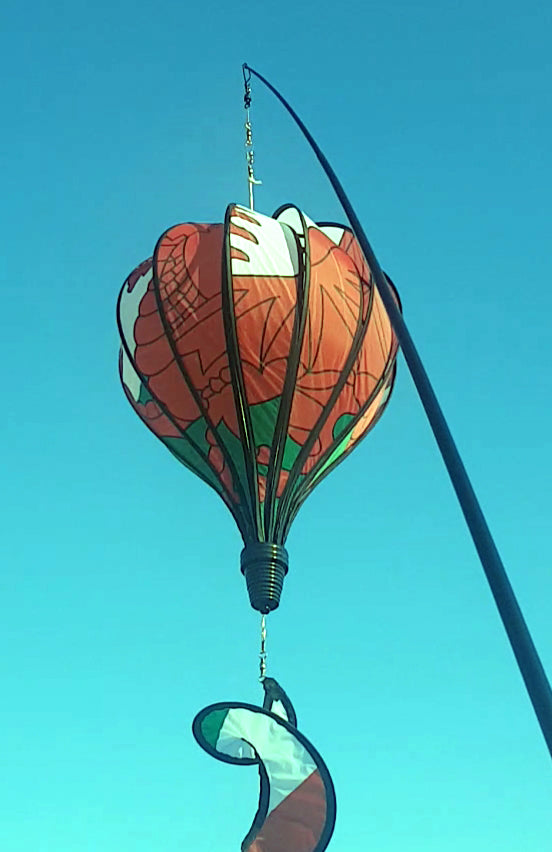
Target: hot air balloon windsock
259,352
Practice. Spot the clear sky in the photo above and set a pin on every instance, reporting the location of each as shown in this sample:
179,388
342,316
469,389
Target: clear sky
122,608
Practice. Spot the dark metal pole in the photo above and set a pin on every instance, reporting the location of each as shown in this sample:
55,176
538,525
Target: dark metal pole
522,644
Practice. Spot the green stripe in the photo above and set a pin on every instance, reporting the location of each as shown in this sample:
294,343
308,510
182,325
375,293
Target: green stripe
211,725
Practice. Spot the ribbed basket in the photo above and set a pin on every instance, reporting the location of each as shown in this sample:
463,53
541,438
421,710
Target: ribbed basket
264,566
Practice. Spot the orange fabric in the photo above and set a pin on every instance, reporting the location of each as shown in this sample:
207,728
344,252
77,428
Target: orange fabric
296,824
340,289
189,272
188,267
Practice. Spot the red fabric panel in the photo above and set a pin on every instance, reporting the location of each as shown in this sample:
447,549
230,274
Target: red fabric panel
297,823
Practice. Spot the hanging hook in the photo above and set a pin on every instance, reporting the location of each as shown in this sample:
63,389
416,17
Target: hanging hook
247,85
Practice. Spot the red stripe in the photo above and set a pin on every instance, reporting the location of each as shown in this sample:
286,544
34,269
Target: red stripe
297,823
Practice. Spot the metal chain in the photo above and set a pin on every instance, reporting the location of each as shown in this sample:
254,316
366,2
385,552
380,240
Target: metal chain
262,655
249,154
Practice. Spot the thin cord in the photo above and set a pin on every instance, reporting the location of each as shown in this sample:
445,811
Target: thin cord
262,654
249,153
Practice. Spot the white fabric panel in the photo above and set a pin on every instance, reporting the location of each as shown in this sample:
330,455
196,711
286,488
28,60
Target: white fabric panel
269,253
291,217
333,232
128,312
279,710
129,307
131,379
286,760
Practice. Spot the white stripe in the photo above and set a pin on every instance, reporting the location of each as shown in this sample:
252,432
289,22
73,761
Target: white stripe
333,232
131,379
128,312
271,255
286,760
291,217
130,306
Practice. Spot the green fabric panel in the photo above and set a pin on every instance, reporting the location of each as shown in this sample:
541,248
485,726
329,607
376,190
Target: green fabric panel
341,425
182,450
263,419
197,432
211,726
188,455
144,395
234,449
190,458
291,451
339,450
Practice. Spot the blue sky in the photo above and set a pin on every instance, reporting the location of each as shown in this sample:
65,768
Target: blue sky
123,611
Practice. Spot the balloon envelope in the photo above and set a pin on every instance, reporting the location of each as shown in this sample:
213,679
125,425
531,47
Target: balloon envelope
260,353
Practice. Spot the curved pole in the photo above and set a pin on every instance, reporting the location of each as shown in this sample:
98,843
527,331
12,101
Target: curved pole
522,644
